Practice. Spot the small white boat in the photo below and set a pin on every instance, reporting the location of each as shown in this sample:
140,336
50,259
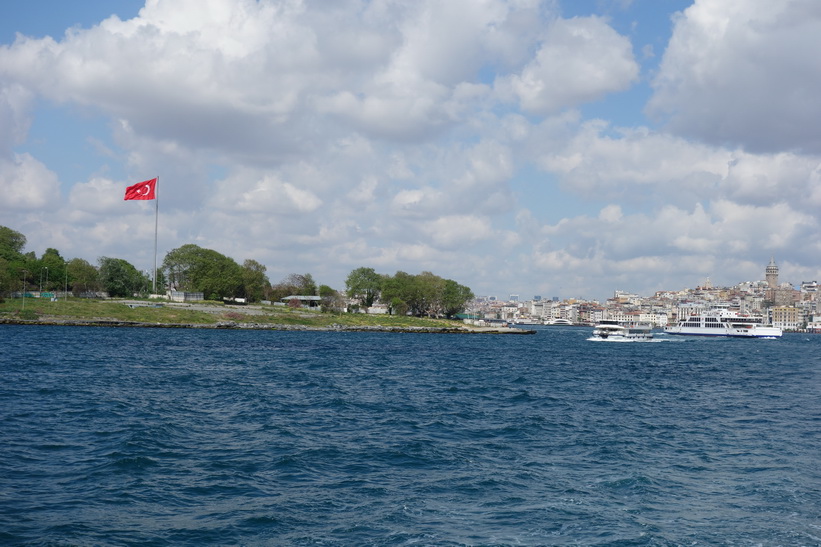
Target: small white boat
559,322
613,330
527,322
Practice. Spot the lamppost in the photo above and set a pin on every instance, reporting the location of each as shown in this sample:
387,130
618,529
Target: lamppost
65,290
47,278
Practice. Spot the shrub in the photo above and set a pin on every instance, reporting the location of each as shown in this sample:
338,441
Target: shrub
28,315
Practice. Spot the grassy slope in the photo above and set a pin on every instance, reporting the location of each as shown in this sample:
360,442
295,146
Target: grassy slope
83,309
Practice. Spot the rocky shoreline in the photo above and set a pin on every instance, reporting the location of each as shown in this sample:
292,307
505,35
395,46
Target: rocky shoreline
232,325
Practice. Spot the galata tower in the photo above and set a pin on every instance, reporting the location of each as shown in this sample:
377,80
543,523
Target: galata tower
771,274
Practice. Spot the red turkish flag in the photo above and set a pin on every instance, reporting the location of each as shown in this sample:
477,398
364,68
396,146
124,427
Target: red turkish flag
142,190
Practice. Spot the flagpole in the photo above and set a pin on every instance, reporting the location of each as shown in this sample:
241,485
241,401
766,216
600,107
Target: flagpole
156,224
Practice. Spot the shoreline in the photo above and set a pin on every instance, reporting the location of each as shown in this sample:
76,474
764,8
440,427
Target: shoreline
233,325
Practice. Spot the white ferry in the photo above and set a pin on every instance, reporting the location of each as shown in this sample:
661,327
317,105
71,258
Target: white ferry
559,322
613,330
722,322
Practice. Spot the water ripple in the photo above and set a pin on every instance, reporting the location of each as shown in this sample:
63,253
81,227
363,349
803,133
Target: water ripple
227,437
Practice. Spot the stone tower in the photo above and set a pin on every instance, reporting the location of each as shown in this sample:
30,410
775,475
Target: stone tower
771,274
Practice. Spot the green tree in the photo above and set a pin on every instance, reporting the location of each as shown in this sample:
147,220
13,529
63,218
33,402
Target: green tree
121,279
195,269
424,294
331,300
53,266
364,284
12,260
411,293
430,290
308,285
83,277
254,280
455,298
6,279
396,292
12,244
398,306
179,266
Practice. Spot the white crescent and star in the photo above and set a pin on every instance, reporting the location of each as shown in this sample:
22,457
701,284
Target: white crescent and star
147,191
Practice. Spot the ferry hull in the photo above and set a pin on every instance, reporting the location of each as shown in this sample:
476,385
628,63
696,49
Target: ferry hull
760,332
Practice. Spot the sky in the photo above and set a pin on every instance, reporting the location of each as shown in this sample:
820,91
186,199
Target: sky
561,148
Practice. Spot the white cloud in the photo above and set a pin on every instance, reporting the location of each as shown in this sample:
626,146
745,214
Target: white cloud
27,185
665,243
638,166
98,196
419,202
611,213
15,103
760,179
598,162
580,60
248,192
454,232
744,72
441,136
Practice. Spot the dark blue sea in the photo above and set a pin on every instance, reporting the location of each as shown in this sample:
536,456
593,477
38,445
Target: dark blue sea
131,436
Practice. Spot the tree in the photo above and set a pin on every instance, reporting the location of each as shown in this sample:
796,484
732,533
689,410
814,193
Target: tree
119,278
254,280
281,290
12,244
331,300
6,279
179,265
82,276
406,294
195,269
54,266
398,306
12,259
364,284
430,287
396,292
455,298
294,284
424,294
304,284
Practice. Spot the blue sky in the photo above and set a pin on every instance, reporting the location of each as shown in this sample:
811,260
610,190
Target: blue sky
560,148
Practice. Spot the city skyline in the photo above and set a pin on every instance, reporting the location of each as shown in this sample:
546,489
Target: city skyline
771,277
557,148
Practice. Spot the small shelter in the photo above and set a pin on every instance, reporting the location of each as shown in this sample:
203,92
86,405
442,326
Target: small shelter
305,301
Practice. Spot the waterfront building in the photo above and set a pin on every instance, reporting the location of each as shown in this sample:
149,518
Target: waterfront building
787,318
654,318
814,325
758,298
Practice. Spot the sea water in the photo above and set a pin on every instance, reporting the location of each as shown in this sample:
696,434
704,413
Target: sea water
137,436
